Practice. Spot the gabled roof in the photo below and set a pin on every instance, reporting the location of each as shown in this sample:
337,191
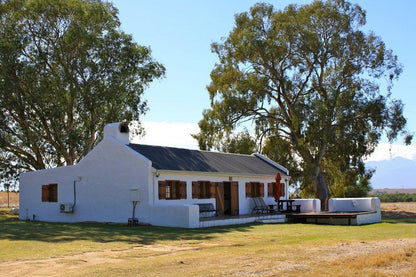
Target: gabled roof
178,159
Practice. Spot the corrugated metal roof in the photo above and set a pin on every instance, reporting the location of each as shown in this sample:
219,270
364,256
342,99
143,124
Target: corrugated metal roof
170,158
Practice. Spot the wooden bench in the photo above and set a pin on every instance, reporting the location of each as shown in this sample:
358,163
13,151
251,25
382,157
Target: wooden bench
206,208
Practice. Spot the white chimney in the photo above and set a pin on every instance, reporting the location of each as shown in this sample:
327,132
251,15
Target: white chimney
119,130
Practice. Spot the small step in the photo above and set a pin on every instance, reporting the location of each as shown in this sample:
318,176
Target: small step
272,221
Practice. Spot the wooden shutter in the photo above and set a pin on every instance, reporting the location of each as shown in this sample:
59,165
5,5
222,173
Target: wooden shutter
45,193
182,190
234,198
211,190
219,197
248,190
195,189
282,189
270,189
162,189
261,189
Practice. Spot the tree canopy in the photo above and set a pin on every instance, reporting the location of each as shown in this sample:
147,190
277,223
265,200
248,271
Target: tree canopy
66,69
316,87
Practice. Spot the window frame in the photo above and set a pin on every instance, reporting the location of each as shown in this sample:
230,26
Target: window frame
270,190
254,189
172,190
203,189
50,193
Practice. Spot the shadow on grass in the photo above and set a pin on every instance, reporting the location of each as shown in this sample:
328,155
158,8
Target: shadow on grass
398,217
14,229
398,220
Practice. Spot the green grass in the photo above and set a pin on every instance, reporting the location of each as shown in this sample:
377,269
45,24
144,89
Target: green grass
234,250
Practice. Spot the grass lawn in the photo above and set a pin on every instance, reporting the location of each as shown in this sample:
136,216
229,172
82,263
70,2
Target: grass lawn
52,249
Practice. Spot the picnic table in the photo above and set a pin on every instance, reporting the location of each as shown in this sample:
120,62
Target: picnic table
289,205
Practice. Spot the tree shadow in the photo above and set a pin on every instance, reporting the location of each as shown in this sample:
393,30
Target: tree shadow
13,229
398,217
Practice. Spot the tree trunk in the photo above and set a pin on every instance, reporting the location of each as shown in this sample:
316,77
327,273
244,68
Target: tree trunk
321,188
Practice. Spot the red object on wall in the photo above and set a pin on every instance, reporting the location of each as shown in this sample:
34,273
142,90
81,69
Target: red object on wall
277,187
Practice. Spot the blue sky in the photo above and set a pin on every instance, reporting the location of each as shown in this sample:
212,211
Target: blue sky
180,33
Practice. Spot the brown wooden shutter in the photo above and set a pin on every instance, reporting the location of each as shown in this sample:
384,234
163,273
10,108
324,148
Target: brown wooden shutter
162,189
282,189
234,199
270,189
211,190
182,190
45,193
248,190
261,189
219,197
195,189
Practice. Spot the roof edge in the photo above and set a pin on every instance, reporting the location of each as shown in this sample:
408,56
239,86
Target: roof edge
199,173
273,163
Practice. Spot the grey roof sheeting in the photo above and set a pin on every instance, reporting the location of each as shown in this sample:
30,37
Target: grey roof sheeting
170,158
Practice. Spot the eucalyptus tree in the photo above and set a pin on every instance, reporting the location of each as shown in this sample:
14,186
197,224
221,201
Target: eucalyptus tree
311,81
66,69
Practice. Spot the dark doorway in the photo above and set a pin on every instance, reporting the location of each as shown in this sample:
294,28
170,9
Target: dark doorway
226,194
227,198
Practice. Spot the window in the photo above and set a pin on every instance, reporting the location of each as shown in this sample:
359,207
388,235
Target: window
203,190
50,193
254,189
172,190
271,187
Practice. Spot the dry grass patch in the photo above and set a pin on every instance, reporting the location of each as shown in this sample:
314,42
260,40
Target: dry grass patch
13,200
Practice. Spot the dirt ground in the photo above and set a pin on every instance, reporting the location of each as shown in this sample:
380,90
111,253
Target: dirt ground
345,253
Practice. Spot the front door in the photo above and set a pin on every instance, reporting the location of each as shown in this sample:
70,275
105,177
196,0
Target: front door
226,194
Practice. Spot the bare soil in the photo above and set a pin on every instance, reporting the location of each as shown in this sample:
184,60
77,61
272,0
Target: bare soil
342,254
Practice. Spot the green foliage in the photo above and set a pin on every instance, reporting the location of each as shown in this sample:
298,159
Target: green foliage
240,142
317,88
396,197
66,69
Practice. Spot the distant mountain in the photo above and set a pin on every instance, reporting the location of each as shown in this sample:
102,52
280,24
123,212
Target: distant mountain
397,173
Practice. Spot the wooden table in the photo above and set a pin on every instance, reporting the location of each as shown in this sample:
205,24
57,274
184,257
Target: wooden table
289,203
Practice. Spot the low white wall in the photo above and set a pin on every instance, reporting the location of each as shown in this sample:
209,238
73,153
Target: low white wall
185,216
369,204
353,204
308,205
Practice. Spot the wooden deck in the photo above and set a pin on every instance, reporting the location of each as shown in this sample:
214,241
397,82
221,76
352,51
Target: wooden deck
241,219
331,218
326,217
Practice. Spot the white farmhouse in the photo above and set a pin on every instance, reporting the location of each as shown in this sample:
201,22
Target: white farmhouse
166,184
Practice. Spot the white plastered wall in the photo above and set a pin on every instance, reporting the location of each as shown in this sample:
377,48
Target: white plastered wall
245,204
107,174
104,179
308,205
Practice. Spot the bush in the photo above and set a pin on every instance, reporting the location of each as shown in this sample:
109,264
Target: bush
396,197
